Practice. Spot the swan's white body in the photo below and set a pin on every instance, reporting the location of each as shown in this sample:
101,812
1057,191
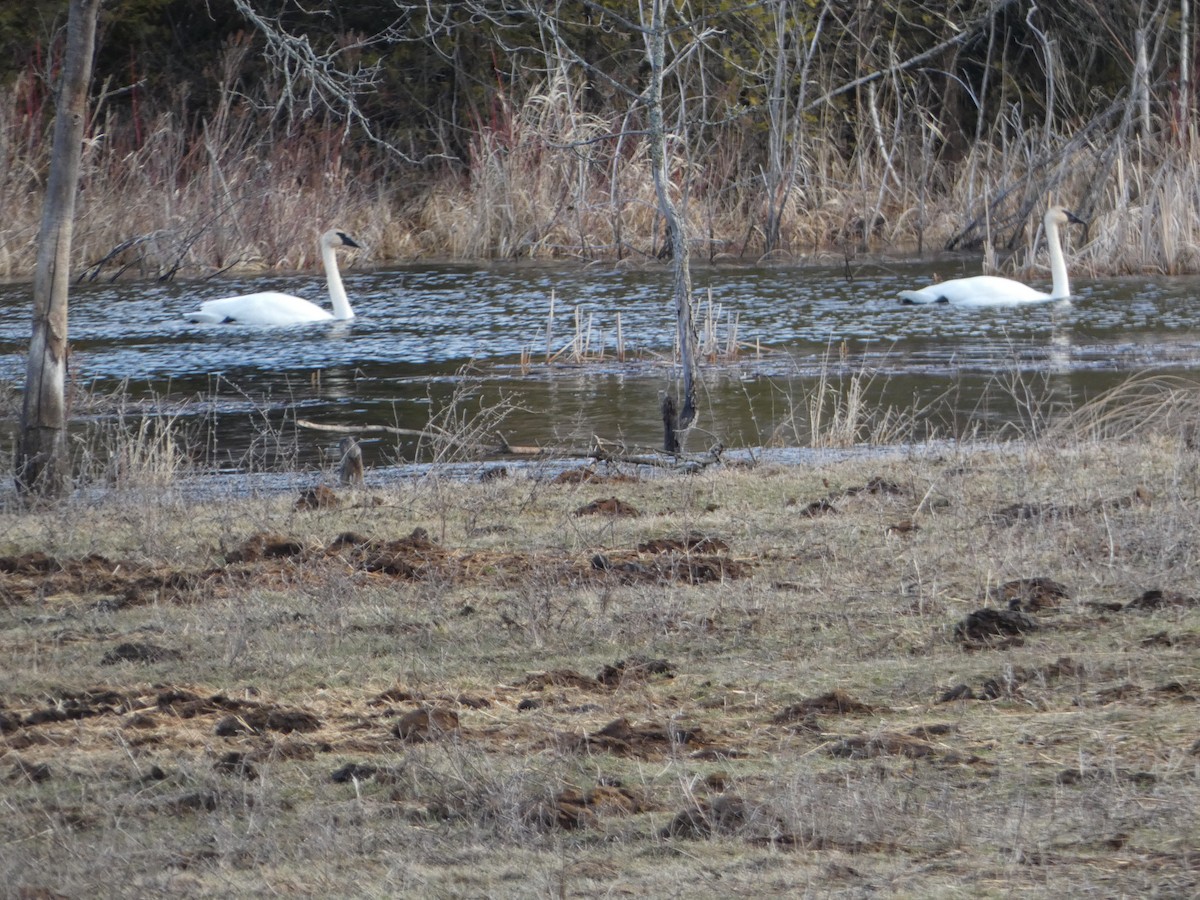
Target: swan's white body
273,308
990,290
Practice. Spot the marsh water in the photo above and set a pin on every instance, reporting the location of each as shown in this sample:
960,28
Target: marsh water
425,334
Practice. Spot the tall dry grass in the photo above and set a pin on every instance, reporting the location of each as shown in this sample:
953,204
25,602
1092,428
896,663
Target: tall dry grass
162,197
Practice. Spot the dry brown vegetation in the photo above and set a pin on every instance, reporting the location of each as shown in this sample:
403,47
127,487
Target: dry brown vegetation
943,673
534,186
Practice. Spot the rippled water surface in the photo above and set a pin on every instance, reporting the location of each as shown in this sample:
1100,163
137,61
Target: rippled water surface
417,326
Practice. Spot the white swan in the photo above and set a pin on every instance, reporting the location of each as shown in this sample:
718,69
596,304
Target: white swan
989,290
273,308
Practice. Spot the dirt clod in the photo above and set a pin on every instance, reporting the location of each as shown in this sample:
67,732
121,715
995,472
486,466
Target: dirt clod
352,772
726,814
1159,599
1031,594
319,497
635,669
994,628
835,702
610,506
137,652
427,724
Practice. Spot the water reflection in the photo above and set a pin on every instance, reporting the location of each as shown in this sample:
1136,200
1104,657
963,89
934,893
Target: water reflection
417,326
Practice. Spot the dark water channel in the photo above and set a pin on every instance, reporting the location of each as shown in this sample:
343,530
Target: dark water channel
944,372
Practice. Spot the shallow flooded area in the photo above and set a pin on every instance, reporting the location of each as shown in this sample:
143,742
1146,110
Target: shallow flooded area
424,332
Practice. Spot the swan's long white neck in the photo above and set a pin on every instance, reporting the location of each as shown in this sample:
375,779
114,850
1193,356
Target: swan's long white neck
337,293
1058,266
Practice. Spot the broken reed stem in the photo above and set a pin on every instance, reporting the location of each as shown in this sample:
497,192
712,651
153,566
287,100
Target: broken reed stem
550,327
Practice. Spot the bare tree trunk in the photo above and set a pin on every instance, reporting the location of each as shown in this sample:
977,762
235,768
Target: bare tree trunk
41,464
1185,68
1141,81
676,227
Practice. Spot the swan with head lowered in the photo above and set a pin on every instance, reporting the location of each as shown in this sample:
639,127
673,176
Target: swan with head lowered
274,308
990,290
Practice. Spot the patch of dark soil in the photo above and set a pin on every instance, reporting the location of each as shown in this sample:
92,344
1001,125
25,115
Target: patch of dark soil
258,719
993,629
1008,685
427,724
119,583
290,749
811,840
671,568
572,809
193,801
825,505
933,730
79,705
727,814
1019,512
884,743
958,692
589,475
835,702
353,772
693,542
34,773
1102,607
1104,774
621,738
398,694
319,497
610,506
265,546
560,678
486,530
1176,690
287,721
237,765
408,557
349,540
1118,693
635,670
35,563
1158,599
876,485
1031,594
816,508
471,701
1166,639
139,653
187,705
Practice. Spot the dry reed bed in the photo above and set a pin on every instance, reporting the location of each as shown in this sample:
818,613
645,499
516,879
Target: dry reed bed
155,203
227,697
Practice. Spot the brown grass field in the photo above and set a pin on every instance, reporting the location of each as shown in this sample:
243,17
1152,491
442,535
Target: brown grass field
945,673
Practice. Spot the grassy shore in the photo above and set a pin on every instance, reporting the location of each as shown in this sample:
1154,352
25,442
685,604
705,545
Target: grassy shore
748,682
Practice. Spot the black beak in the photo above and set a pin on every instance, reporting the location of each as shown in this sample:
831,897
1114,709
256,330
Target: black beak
348,241
1074,219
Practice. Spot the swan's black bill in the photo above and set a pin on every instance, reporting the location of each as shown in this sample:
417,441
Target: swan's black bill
348,241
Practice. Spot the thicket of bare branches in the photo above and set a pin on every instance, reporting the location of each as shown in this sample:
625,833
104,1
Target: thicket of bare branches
521,129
